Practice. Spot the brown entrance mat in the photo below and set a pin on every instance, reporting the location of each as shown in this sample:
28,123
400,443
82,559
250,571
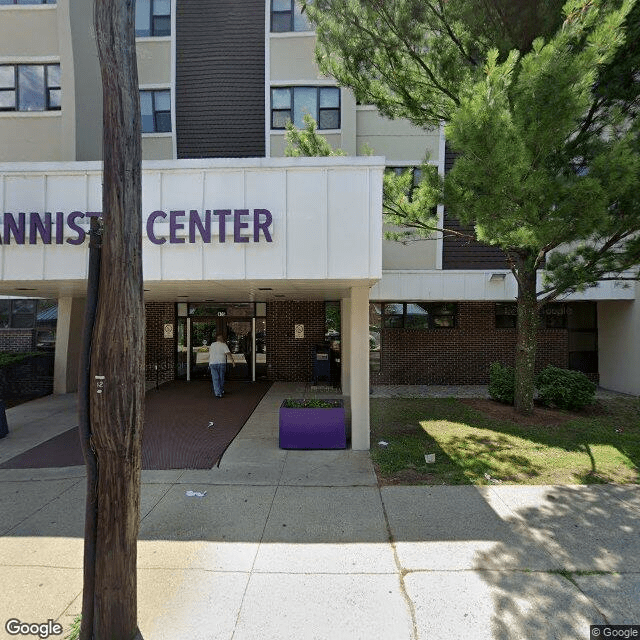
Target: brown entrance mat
176,433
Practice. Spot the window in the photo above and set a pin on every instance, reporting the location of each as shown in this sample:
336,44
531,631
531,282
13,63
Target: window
2,2
419,315
5,314
30,87
153,18
23,314
552,316
155,109
506,315
375,336
292,103
393,315
287,16
17,314
40,315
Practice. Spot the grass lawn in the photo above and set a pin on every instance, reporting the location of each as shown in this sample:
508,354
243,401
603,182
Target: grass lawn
483,442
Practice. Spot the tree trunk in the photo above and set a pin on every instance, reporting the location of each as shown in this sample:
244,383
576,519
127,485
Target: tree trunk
117,356
527,333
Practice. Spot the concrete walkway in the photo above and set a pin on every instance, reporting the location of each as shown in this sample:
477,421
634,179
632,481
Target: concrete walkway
305,545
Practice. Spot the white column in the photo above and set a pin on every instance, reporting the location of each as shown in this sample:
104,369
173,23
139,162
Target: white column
619,344
345,338
68,344
359,368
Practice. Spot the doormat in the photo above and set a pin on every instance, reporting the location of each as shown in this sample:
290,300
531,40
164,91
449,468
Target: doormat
177,431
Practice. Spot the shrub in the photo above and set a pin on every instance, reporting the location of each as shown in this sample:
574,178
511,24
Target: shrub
11,357
564,389
501,383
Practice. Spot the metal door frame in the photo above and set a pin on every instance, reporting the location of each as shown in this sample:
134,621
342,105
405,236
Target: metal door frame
224,323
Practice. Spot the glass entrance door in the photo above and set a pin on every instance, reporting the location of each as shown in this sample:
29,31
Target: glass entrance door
237,335
240,343
203,333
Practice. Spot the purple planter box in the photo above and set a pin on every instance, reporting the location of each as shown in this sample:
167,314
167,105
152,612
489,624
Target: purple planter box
313,427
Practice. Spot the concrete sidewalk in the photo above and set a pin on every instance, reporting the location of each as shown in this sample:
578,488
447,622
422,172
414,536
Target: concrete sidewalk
296,545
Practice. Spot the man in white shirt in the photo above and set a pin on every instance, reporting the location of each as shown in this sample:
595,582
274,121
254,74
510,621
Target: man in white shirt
218,352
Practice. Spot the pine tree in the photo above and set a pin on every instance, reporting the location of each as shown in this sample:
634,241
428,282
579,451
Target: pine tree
541,105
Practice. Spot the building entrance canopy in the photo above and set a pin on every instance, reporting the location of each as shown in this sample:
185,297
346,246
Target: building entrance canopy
225,229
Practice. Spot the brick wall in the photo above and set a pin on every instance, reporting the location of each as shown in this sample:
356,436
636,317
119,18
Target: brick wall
289,359
461,355
409,356
17,340
159,350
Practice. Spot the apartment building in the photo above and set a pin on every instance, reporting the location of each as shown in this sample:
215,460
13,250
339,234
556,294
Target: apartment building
241,240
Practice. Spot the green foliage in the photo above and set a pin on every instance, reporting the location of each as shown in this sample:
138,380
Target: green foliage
311,403
559,388
501,383
565,389
332,317
409,58
7,358
540,106
74,632
307,142
527,90
411,208
619,82
522,176
395,54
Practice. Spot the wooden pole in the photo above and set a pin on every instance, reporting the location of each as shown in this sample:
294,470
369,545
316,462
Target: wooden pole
117,353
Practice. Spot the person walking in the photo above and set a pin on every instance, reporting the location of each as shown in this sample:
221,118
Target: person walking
218,352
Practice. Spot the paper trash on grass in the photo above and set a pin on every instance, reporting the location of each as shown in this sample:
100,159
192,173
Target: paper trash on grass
430,458
382,443
195,494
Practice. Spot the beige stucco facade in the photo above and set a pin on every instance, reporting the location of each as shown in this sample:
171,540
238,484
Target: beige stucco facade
57,34
398,140
154,61
417,254
292,58
40,22
157,147
34,135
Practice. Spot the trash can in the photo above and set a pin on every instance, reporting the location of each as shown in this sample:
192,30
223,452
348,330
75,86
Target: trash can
4,426
321,363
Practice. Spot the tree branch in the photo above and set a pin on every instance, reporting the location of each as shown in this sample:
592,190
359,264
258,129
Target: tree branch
416,58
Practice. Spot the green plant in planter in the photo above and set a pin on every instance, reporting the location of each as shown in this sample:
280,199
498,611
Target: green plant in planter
310,403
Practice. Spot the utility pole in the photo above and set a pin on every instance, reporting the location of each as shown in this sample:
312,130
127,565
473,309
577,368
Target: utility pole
114,367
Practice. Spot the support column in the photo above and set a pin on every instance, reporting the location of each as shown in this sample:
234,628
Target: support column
345,338
68,344
359,368
619,344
